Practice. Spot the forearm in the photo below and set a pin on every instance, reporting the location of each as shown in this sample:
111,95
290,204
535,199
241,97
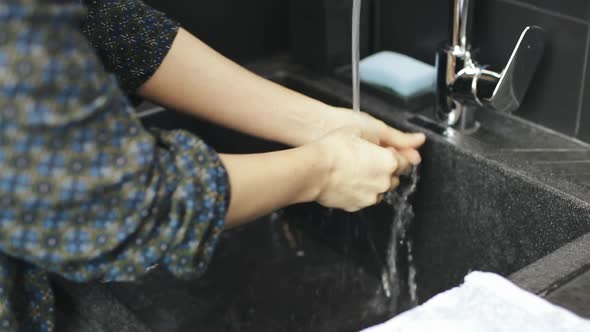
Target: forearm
262,183
195,79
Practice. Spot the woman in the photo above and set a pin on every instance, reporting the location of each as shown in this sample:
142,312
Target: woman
87,193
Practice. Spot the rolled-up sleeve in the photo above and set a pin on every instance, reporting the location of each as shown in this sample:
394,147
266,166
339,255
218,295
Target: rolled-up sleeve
130,37
85,190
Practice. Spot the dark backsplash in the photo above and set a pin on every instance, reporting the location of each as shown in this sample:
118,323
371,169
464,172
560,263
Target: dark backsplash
559,96
321,32
241,30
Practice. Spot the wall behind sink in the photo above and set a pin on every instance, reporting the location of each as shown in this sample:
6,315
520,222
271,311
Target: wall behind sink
559,96
241,30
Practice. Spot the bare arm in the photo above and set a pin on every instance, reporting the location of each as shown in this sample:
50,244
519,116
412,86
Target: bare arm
262,183
195,79
342,170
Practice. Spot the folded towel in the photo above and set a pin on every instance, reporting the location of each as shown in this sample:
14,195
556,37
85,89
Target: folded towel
401,74
486,303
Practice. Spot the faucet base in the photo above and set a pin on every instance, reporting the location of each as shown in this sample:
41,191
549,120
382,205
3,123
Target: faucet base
469,130
462,120
467,125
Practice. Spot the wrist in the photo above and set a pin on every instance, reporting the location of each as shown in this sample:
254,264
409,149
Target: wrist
321,163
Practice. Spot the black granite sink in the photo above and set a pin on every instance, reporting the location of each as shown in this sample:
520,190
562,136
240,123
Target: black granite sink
502,200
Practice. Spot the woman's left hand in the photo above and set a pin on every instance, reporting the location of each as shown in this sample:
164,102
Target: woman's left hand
378,132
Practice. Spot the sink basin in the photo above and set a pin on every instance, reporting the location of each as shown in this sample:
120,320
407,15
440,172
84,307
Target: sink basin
500,200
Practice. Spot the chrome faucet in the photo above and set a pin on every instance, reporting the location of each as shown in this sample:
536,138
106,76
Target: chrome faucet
463,85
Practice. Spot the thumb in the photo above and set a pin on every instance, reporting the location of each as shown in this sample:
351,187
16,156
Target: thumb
400,140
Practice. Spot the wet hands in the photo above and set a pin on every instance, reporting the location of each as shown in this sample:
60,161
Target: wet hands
378,132
364,165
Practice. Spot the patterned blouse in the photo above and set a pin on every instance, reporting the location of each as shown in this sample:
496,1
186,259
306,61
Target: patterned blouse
85,191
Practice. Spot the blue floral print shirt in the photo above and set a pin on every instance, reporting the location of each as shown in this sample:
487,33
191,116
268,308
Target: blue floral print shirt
86,192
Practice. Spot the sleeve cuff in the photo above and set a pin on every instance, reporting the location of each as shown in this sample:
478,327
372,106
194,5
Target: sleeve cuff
207,179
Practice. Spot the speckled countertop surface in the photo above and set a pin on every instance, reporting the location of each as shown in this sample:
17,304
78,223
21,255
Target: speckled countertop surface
552,161
574,295
512,197
536,152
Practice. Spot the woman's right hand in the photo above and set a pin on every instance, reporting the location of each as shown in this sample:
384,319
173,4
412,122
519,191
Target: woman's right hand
343,170
360,172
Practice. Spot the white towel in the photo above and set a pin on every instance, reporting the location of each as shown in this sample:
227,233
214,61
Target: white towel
486,302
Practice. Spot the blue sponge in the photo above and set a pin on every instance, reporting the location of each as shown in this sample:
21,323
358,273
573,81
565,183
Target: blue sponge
403,75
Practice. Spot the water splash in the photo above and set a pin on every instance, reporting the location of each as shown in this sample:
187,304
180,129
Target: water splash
399,241
398,199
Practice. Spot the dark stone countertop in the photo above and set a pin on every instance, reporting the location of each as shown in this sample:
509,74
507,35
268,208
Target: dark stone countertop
574,295
533,206
550,160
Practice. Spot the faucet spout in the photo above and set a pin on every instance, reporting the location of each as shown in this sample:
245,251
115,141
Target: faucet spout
460,28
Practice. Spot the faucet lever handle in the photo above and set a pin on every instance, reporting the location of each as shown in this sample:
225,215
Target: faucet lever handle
516,77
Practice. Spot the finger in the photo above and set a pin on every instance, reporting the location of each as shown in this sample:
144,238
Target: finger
403,164
412,155
372,137
388,159
400,140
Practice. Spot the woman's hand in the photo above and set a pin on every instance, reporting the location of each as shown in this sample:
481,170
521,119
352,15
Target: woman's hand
341,170
359,171
378,132
200,87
